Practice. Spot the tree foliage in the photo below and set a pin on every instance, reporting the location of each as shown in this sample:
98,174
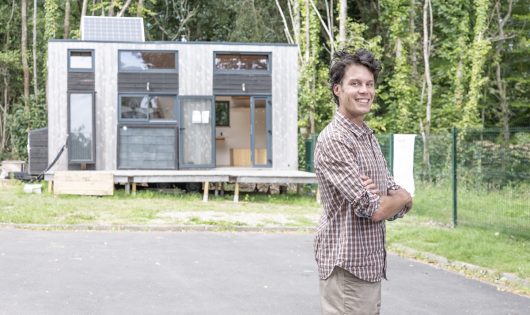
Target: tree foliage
472,66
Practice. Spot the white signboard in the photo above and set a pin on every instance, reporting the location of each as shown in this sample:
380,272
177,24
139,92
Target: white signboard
205,116
404,161
196,117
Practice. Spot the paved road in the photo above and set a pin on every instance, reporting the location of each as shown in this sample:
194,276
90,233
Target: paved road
206,273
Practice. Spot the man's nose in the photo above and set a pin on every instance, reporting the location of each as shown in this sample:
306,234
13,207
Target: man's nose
363,88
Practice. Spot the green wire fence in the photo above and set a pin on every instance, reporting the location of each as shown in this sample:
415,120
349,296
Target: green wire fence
470,177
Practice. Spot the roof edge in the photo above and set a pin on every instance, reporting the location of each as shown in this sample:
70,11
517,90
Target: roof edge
176,42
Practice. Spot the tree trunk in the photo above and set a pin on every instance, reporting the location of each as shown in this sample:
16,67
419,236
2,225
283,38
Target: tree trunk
413,54
296,21
66,27
306,32
342,22
5,107
294,13
140,10
329,14
34,50
24,51
477,54
307,60
5,110
285,24
426,56
329,31
111,8
83,10
501,85
124,8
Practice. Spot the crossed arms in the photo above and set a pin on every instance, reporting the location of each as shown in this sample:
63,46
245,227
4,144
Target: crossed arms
389,205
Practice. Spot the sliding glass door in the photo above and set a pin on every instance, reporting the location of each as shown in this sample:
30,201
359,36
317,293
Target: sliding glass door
261,131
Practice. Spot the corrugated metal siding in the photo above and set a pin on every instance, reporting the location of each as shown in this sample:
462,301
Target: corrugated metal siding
37,151
158,82
81,81
147,148
247,84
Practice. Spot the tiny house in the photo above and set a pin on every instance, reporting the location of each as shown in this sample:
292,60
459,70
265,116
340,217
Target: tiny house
121,103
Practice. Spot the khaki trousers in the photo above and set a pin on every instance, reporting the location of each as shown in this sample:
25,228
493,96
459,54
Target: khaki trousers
343,293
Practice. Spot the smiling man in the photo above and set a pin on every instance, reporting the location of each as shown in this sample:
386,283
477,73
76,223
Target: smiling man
358,193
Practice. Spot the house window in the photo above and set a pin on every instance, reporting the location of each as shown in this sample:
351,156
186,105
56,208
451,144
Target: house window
147,107
140,61
222,113
81,127
81,60
241,62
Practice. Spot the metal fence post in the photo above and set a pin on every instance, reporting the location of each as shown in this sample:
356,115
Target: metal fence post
391,154
454,179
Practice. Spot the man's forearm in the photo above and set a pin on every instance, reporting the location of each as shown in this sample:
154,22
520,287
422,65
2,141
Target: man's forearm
390,205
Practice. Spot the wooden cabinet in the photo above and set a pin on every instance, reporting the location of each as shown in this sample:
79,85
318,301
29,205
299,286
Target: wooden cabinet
241,157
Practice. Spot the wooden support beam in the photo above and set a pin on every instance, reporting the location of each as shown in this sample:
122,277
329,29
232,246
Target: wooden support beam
134,189
128,188
50,186
222,189
205,193
236,192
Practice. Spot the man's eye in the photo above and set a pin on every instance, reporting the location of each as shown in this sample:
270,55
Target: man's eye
356,84
370,85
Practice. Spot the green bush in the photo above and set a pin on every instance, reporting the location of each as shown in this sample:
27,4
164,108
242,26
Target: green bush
21,121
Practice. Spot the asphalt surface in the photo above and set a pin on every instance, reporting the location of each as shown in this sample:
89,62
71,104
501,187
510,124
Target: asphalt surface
63,272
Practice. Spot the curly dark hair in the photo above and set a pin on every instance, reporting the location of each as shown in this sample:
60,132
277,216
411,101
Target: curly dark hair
344,58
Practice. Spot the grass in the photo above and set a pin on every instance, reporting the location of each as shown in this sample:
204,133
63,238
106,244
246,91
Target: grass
506,211
477,246
151,207
503,246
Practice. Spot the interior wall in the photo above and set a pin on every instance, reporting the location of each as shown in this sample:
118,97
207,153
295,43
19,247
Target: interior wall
237,135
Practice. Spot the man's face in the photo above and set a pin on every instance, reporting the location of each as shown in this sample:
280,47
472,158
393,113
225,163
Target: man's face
356,93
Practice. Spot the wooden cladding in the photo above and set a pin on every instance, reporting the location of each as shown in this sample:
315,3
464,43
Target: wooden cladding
148,82
242,84
81,81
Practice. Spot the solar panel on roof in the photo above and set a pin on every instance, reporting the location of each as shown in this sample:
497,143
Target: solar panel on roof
115,29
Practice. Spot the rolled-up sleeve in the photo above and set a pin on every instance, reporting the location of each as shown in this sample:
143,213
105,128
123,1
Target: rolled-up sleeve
338,166
391,185
400,214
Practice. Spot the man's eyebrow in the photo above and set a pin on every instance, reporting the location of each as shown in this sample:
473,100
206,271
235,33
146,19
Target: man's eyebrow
357,79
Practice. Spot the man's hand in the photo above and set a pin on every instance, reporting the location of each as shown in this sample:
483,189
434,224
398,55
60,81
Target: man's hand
369,184
406,195
391,204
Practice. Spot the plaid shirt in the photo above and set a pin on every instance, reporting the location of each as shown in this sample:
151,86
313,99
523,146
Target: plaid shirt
346,235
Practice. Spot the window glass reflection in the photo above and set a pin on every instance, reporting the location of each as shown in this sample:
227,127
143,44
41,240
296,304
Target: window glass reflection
143,107
134,107
241,62
81,133
144,61
162,107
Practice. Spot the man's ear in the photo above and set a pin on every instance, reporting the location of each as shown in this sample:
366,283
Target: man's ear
336,89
